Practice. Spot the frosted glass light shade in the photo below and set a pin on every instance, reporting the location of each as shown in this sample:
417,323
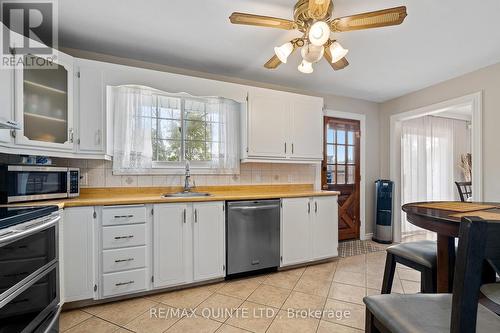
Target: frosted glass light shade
337,51
319,33
312,53
305,67
283,51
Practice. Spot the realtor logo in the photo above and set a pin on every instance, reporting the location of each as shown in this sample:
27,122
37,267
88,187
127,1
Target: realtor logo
29,27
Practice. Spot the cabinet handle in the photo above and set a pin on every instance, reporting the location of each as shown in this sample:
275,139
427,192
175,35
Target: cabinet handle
292,148
285,147
308,207
124,260
123,216
98,137
124,237
196,216
315,206
123,283
184,215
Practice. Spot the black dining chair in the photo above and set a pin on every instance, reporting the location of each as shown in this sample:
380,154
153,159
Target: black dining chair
459,312
464,190
419,255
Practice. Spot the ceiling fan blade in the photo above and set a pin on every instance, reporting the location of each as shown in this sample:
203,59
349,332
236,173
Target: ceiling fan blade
273,63
318,8
380,18
262,21
341,64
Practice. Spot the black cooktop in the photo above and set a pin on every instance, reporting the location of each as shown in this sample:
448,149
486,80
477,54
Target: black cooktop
10,216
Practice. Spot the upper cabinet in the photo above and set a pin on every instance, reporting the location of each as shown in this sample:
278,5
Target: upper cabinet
44,104
282,126
267,125
91,107
306,128
6,102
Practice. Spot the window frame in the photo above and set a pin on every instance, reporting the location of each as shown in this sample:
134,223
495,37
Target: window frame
179,165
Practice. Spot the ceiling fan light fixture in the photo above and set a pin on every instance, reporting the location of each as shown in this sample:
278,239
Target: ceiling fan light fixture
319,33
337,51
312,53
284,51
305,67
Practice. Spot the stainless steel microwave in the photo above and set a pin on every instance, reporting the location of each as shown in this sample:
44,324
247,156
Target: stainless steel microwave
20,183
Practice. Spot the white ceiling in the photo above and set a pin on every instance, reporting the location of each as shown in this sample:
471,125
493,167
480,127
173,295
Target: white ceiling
439,39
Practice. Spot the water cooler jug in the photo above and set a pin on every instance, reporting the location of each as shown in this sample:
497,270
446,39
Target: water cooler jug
383,211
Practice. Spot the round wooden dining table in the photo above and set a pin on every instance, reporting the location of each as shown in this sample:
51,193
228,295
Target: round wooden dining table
444,218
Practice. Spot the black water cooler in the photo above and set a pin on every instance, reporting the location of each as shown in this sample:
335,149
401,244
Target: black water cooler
383,211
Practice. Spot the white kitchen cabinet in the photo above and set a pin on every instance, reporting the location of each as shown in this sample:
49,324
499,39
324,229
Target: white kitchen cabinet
267,128
309,229
6,102
324,227
306,128
91,110
171,243
188,243
208,240
295,231
282,126
44,105
77,257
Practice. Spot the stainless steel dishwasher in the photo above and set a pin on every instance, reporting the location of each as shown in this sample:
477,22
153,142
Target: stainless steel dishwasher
252,235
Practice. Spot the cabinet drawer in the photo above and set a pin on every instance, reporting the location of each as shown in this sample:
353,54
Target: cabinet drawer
124,282
123,215
123,259
123,236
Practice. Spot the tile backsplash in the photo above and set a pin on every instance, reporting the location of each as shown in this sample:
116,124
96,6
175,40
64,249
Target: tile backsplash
98,173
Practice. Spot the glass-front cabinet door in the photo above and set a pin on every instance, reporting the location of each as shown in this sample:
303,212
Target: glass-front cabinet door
44,102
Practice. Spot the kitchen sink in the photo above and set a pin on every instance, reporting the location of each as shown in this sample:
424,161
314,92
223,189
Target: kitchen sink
186,195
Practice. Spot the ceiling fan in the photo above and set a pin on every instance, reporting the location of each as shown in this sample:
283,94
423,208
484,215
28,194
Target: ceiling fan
313,18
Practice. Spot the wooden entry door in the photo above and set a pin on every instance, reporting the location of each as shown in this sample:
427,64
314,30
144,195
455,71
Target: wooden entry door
341,171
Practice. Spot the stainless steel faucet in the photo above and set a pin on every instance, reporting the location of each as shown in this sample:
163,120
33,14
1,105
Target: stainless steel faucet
187,179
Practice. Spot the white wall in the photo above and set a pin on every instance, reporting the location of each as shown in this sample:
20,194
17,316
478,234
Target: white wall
485,80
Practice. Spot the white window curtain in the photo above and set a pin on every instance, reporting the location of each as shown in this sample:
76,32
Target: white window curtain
429,149
133,107
133,150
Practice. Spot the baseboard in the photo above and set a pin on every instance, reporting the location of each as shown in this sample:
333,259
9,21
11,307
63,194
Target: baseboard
369,236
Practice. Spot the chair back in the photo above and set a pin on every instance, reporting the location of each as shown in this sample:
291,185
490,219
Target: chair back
464,190
479,240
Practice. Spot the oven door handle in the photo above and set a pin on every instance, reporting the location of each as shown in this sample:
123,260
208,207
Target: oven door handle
18,234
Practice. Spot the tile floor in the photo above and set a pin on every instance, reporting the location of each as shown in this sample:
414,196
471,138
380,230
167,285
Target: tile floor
324,298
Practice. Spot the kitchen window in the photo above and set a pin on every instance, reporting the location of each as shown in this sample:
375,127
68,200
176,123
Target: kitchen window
158,132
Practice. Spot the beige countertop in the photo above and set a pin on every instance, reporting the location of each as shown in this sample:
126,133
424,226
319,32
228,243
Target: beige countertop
149,195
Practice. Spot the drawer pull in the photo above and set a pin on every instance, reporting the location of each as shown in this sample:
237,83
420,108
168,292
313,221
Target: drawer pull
124,237
124,260
123,283
123,216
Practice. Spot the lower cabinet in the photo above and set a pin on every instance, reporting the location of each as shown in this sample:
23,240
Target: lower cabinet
124,247
309,229
188,243
77,257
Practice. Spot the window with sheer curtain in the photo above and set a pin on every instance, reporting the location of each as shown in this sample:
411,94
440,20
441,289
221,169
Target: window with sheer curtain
430,149
157,132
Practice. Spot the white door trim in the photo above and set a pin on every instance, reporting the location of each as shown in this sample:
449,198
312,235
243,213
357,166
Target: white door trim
362,152
475,101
